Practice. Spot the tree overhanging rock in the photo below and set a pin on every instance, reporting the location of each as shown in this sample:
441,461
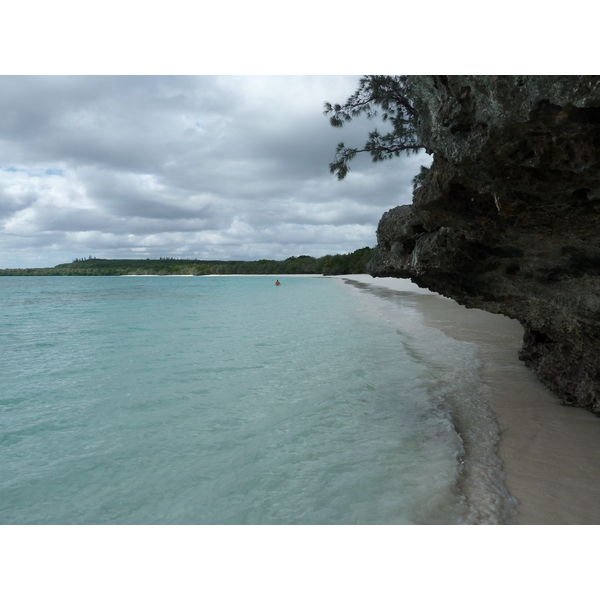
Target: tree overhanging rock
508,218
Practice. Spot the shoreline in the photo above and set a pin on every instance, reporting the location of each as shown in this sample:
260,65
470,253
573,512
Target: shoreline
550,452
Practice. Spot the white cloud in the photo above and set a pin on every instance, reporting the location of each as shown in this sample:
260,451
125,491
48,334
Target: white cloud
215,167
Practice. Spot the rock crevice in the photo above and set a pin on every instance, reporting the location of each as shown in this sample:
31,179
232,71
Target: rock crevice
508,216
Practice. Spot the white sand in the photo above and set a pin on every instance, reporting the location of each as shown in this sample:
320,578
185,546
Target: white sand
550,452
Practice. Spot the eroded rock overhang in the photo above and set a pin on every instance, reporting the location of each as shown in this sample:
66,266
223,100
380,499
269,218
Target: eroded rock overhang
508,217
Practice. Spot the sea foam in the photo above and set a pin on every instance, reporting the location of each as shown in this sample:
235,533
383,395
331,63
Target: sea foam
457,393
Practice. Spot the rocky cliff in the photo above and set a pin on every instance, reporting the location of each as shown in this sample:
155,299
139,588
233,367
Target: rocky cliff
508,217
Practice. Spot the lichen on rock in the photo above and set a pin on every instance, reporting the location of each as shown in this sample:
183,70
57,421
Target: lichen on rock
508,217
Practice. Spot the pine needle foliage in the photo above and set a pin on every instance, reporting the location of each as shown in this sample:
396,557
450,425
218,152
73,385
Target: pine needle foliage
377,95
419,178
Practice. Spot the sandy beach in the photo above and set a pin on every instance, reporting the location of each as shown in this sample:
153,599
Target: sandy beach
550,452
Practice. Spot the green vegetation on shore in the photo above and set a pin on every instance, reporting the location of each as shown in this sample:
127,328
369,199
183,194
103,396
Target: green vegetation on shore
338,264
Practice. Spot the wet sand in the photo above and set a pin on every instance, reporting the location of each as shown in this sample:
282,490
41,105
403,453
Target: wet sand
550,452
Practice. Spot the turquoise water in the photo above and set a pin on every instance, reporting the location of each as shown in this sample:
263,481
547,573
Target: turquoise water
227,400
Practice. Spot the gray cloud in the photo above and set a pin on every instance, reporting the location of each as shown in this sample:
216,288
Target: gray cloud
213,167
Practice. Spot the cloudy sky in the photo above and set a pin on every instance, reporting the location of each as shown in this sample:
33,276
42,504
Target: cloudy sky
214,167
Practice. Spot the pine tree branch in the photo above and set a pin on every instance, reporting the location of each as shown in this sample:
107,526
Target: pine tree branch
388,93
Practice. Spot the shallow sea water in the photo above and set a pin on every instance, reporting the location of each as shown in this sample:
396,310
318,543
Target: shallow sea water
228,400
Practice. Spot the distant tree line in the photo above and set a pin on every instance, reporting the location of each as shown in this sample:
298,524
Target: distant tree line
336,264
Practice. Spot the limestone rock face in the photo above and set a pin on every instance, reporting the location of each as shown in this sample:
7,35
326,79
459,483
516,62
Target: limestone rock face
508,217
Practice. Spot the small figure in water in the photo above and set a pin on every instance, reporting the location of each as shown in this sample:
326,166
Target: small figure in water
277,282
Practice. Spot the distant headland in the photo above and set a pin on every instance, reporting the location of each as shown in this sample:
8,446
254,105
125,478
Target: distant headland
336,264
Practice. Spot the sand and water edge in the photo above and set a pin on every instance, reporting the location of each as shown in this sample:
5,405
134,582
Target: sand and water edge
550,452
